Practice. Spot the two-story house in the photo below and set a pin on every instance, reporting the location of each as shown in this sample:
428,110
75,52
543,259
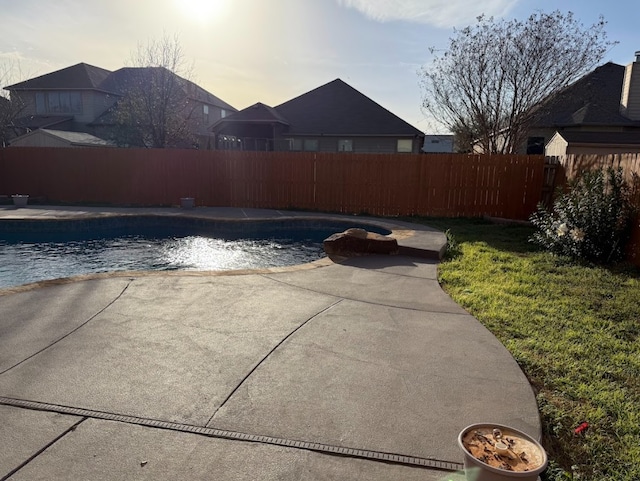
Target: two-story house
599,114
83,98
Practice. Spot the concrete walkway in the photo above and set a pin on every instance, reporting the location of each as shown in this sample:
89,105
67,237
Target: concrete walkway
360,370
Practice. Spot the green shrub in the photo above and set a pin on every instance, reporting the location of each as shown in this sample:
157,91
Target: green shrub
592,221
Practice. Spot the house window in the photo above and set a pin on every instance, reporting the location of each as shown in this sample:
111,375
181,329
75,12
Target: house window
535,146
405,145
205,113
310,145
223,113
293,144
40,105
58,103
345,145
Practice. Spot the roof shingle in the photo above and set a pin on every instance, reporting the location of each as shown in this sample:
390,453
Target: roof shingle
81,76
336,108
592,100
120,80
258,112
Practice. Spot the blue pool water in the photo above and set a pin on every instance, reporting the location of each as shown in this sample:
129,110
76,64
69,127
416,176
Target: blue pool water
41,250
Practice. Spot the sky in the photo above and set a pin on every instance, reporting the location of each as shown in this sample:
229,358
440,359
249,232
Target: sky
270,51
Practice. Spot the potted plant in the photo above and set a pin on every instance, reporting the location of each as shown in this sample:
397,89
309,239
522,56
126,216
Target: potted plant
20,200
493,452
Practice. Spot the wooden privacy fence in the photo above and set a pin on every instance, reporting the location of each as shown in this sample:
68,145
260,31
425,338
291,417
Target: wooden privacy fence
453,185
572,166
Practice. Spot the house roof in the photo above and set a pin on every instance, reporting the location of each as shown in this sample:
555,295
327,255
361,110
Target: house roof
256,113
34,122
198,93
592,100
616,138
121,80
593,114
73,138
336,108
81,76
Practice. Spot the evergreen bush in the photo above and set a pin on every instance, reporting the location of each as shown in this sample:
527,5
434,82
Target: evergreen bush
591,221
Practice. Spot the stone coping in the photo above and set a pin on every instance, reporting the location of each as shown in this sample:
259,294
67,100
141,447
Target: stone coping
400,230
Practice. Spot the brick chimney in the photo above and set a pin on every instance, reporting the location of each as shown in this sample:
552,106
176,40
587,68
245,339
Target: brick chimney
630,101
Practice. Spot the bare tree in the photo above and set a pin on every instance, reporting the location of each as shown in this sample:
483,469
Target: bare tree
492,82
10,108
155,109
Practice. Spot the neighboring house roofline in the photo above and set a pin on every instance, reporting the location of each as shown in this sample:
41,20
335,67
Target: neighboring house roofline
59,89
592,102
593,99
604,144
79,139
586,137
207,97
85,77
257,113
336,107
342,134
594,115
118,80
258,121
81,76
34,122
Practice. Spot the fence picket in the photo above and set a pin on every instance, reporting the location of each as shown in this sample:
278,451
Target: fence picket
378,184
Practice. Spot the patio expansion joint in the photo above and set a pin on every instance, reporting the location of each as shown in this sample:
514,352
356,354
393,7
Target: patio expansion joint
282,341
84,323
344,298
329,449
43,449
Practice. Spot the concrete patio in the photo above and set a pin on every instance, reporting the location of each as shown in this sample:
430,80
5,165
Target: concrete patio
363,369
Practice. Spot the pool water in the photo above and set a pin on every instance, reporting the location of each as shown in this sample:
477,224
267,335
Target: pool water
30,262
31,251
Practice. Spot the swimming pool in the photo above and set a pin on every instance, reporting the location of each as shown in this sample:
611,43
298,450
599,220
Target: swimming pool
37,250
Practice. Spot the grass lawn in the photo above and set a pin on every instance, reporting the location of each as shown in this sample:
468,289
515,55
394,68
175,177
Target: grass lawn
574,330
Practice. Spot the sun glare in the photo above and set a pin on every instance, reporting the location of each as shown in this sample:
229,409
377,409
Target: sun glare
202,11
